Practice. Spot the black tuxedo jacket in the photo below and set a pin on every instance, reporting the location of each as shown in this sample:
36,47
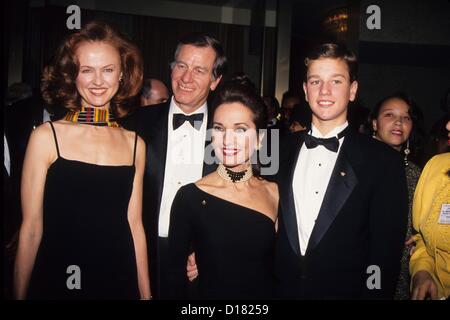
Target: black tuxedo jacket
361,223
150,122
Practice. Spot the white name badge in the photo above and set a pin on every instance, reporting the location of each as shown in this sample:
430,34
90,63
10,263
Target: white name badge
444,217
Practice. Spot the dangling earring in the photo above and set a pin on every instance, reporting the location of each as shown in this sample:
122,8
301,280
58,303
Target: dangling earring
121,78
406,151
374,134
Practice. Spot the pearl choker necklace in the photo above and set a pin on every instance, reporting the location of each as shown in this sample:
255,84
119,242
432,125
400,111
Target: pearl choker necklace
233,176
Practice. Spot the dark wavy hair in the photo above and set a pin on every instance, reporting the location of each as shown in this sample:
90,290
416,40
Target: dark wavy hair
416,138
242,90
58,84
334,51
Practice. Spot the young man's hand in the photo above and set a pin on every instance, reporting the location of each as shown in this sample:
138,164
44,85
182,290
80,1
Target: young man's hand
191,267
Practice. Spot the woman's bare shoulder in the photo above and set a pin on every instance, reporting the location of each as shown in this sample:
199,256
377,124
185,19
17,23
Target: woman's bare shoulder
41,144
62,124
128,133
131,136
207,181
42,134
272,187
64,128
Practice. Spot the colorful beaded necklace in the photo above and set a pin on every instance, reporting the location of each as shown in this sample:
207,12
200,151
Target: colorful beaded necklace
92,116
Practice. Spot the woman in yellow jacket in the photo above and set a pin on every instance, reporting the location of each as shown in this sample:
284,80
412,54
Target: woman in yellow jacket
430,263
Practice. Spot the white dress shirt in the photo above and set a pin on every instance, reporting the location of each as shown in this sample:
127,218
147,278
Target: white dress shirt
311,177
184,161
45,116
6,157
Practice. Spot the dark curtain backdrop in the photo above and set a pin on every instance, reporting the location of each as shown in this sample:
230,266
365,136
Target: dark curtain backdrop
156,37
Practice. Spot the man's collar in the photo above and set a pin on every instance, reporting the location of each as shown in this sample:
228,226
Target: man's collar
174,108
316,133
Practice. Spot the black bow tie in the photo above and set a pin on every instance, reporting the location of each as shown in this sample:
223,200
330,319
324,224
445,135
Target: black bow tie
194,119
331,144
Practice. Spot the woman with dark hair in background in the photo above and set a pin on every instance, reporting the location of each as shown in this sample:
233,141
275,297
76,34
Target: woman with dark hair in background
82,235
395,121
228,217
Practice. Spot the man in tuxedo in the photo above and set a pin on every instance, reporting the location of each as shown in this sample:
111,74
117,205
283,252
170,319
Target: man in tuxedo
343,196
176,136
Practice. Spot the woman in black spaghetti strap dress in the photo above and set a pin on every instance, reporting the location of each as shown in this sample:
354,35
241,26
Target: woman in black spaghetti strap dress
82,235
228,218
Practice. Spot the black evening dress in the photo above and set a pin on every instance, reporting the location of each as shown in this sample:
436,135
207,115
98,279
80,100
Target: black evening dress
87,250
233,246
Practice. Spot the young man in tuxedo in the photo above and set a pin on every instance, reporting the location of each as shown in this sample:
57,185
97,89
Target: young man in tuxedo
175,134
343,196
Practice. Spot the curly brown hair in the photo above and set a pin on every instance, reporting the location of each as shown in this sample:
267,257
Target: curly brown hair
58,84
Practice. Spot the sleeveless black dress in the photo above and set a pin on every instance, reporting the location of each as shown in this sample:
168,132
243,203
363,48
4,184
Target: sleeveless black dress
234,247
87,250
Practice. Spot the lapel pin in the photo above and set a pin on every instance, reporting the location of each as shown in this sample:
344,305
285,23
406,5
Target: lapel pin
204,202
343,174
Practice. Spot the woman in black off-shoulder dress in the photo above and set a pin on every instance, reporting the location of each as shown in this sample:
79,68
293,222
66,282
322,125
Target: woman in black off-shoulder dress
228,217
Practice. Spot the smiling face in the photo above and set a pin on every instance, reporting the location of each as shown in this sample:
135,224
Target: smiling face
393,124
99,73
234,135
192,76
328,91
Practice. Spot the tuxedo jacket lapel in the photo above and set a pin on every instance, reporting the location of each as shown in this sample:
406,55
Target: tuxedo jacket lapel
342,182
157,150
287,195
